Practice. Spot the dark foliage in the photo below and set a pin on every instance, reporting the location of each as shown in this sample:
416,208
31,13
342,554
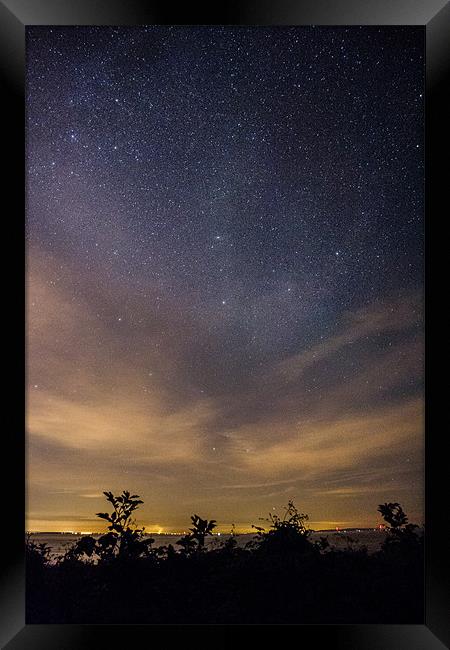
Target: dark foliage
280,577
194,542
401,537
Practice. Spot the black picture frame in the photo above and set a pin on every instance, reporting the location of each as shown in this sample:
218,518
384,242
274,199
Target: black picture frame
15,15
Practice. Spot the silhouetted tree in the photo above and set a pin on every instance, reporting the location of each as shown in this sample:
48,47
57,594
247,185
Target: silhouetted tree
37,555
201,528
282,578
286,534
195,540
87,545
188,544
400,534
124,539
393,514
125,536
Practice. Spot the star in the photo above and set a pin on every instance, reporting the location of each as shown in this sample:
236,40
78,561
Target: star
266,164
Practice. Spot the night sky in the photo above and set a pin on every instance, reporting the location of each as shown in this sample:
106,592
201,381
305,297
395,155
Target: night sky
224,273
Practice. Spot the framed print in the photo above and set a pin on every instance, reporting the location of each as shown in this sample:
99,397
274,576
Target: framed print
227,404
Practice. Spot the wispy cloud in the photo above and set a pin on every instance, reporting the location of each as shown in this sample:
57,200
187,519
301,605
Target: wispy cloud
351,399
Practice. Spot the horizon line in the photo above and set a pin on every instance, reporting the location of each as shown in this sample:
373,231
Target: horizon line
218,534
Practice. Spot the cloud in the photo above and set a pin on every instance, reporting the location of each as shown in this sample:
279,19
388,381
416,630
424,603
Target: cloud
400,313
318,446
156,403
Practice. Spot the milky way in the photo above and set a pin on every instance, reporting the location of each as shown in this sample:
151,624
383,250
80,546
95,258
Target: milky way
225,273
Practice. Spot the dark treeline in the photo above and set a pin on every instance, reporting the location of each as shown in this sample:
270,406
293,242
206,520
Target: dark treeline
281,576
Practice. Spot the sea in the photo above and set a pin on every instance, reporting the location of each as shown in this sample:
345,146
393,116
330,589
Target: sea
372,538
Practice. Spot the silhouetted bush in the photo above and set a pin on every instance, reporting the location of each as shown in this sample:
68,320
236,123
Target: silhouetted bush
401,536
279,577
194,542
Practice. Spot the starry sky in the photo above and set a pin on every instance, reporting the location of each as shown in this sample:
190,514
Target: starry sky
224,273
